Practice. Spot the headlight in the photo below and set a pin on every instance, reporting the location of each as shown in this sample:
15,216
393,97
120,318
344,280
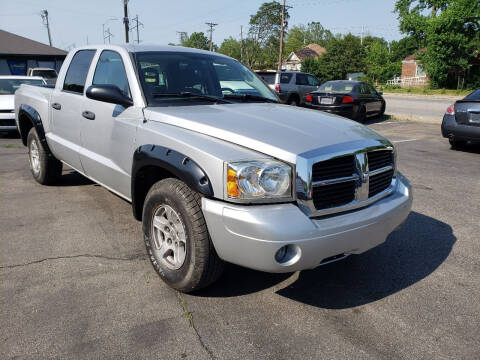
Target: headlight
257,180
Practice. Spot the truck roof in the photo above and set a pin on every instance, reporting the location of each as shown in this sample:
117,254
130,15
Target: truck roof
133,48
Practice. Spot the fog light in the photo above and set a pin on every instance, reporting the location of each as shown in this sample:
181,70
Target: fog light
288,254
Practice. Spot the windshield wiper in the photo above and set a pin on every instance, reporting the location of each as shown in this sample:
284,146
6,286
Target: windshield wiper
246,97
188,94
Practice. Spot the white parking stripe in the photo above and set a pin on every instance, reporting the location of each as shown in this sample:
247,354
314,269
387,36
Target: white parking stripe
400,141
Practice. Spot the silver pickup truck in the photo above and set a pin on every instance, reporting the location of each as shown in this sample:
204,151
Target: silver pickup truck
215,168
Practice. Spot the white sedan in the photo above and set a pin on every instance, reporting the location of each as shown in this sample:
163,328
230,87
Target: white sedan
8,85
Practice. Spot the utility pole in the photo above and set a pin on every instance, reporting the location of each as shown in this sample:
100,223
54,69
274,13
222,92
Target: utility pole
361,35
182,36
241,43
137,24
108,36
44,15
282,30
212,25
125,19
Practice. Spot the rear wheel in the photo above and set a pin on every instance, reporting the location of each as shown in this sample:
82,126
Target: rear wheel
361,114
176,237
45,168
456,143
294,101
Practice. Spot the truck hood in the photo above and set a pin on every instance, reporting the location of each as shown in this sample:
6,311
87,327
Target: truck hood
280,131
7,102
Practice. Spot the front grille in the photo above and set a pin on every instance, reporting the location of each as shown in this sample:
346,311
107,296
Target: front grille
7,122
328,196
334,168
379,182
379,159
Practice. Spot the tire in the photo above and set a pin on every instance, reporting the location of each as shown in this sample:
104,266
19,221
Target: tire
45,168
178,244
361,114
294,101
382,111
457,143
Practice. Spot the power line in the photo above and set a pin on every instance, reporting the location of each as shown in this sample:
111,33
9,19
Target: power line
108,35
212,25
44,15
136,27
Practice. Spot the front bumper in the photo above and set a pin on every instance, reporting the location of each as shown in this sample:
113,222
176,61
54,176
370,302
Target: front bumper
251,235
7,121
459,131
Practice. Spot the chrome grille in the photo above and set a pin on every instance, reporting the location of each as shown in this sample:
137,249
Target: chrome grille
334,168
351,179
379,182
379,159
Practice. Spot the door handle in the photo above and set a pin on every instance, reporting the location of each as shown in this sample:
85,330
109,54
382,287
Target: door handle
88,115
56,106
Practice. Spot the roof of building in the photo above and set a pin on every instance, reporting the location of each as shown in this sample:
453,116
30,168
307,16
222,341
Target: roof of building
311,50
12,44
414,55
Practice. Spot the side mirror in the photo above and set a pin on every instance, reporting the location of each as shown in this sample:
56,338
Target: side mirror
380,93
109,93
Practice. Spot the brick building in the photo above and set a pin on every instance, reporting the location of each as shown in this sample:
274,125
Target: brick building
413,74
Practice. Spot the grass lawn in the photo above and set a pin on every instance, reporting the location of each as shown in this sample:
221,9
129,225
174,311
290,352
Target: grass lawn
424,91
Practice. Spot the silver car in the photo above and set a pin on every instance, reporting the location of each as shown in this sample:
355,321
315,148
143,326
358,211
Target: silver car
291,86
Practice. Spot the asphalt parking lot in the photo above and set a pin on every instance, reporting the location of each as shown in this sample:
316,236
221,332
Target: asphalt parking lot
75,281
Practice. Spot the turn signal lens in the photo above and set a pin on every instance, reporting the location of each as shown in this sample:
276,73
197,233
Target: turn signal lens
232,185
347,99
309,98
277,88
450,110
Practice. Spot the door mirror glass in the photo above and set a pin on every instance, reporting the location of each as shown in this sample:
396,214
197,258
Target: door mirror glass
110,94
380,93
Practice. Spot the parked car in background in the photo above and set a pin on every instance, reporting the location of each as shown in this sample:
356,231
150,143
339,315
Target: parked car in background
8,86
461,122
353,99
50,75
291,86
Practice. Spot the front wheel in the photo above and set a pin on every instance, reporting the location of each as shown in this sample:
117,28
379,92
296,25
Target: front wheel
176,237
456,144
45,168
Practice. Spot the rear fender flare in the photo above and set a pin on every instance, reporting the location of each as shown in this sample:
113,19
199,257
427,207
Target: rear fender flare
36,121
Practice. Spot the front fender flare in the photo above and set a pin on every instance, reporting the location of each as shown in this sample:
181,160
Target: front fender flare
176,163
34,117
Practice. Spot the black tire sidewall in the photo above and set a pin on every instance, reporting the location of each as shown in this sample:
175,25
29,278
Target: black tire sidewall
179,278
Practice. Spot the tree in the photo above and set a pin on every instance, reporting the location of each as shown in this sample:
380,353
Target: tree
300,35
231,47
404,47
267,22
197,40
379,64
448,28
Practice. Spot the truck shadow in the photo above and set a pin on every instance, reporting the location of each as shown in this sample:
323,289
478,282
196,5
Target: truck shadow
408,256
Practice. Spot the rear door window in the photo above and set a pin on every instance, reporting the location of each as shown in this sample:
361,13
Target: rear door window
301,79
77,71
110,71
269,78
285,78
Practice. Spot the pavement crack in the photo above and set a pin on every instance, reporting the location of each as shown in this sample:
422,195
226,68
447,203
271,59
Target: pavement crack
189,317
105,257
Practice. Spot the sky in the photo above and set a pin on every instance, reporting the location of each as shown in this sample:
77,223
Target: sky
72,22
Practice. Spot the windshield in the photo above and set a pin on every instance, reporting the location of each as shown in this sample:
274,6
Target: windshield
473,96
170,73
336,87
48,74
9,86
268,77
